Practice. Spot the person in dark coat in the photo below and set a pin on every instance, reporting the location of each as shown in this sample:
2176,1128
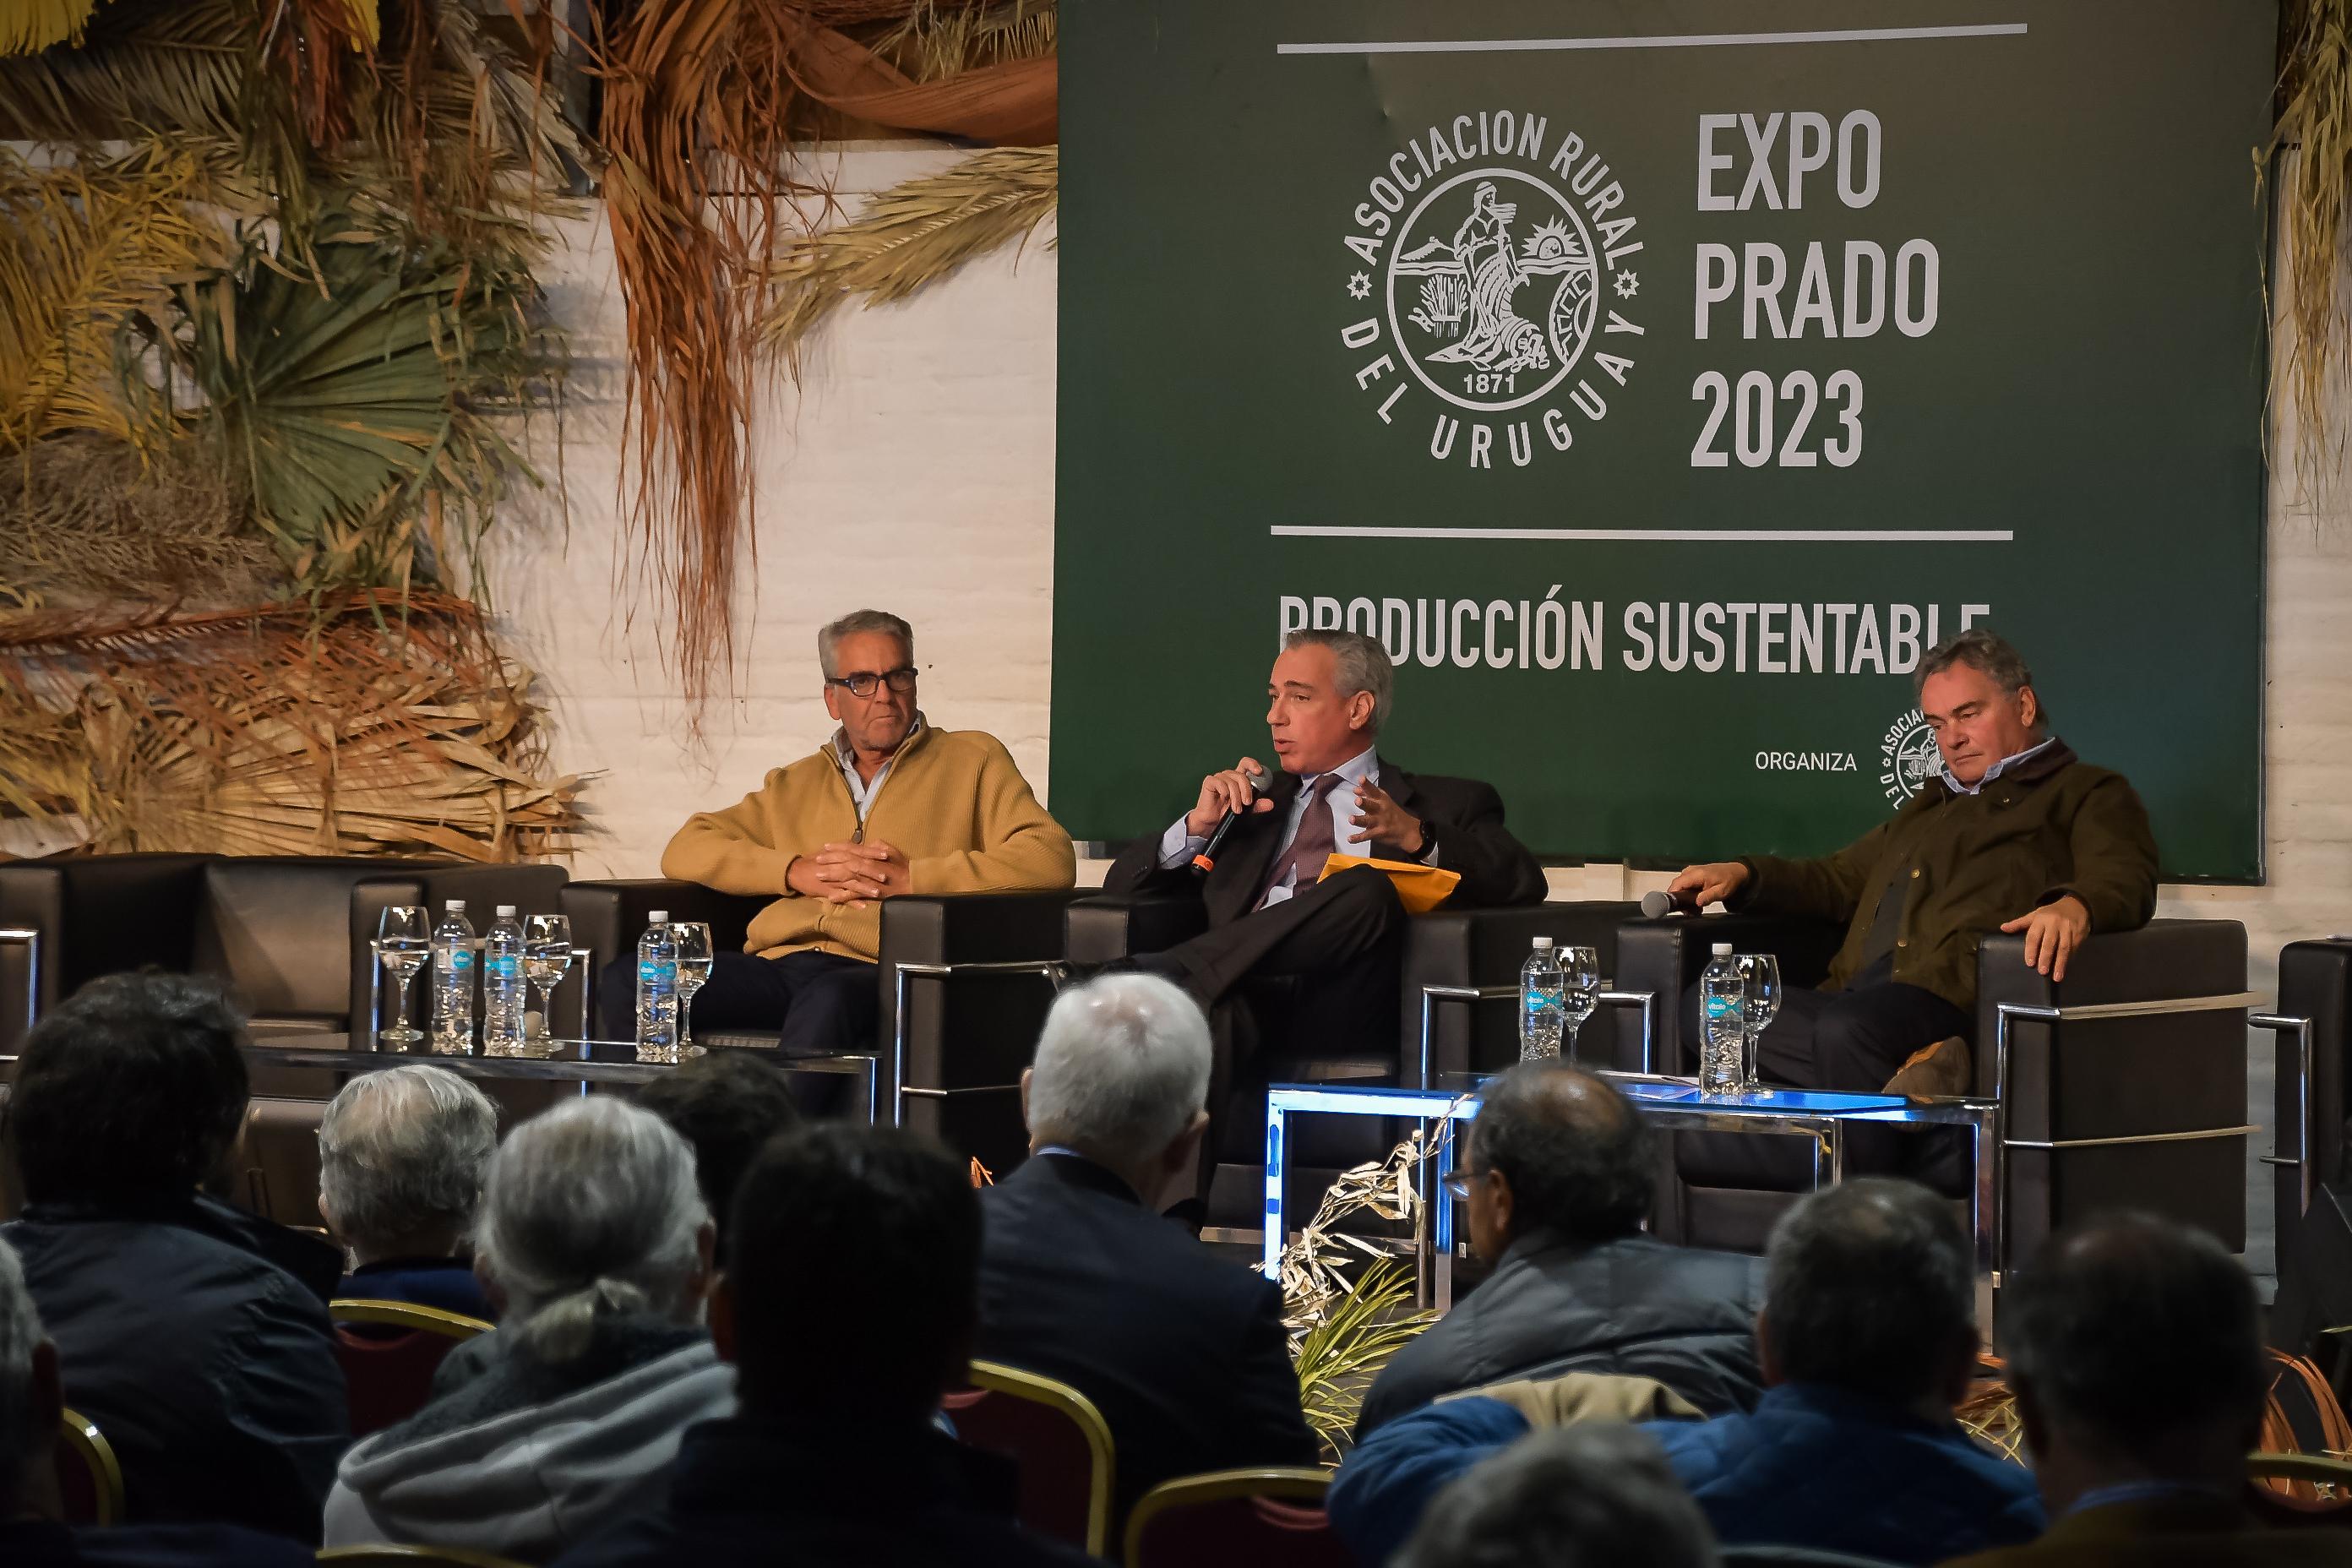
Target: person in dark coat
32,1407
401,1156
836,1460
1558,1184
194,1335
1082,1280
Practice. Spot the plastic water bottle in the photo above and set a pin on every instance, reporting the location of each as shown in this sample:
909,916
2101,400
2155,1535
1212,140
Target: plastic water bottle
453,981
505,994
1543,997
1722,1025
658,991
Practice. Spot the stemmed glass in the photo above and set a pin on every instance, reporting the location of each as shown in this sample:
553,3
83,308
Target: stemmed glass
693,973
546,958
404,941
1579,983
1760,1003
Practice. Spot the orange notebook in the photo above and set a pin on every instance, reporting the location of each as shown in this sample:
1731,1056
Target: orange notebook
1421,889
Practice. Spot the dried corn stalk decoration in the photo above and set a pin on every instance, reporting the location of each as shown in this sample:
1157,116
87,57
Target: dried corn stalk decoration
2310,153
378,728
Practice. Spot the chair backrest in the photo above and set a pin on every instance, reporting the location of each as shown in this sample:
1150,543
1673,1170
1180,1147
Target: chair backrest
389,1374
1059,1439
278,929
2293,1490
1236,1517
382,1556
90,1478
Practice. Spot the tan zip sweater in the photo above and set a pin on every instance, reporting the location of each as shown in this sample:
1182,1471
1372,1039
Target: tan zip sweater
953,803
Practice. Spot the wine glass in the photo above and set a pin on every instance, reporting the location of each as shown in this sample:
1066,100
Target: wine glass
1760,1003
693,975
1579,983
546,958
404,941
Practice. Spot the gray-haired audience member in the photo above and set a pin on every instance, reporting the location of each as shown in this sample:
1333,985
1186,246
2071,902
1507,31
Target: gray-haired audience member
2134,1348
594,1242
1575,1496
401,1157
31,1500
1560,1179
1082,1280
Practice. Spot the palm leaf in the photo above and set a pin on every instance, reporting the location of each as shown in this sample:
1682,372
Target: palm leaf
1338,1358
26,25
144,66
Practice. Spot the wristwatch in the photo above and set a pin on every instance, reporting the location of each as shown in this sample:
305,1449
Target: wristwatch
1428,842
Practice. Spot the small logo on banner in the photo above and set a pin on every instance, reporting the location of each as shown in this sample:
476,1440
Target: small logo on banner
1499,289
1908,758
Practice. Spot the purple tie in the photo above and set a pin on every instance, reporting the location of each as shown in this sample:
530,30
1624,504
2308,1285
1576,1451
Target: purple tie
1313,844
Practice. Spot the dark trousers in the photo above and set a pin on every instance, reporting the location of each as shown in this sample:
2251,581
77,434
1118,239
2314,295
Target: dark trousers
1853,1039
1316,974
824,1004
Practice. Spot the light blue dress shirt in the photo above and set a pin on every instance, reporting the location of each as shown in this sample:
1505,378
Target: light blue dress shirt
861,794
1176,846
1994,772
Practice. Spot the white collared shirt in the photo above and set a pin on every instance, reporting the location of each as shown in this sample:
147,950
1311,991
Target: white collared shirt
1177,846
861,793
1994,772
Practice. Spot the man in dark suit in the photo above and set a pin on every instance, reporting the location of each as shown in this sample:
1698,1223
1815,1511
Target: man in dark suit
1082,1281
1320,958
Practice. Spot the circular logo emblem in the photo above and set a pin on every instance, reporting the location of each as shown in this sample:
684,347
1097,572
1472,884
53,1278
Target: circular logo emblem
1908,758
1492,289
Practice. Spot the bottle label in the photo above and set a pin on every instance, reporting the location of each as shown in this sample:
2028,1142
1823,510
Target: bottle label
1719,1007
503,966
456,958
655,976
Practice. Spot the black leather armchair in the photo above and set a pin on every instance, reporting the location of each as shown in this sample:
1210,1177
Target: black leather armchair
2313,1029
2124,1085
948,1056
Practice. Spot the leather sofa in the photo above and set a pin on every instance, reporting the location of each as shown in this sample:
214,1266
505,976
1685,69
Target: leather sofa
949,1062
2313,1024
2125,1085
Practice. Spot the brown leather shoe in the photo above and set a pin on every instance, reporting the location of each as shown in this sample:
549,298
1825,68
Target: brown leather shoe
1941,1070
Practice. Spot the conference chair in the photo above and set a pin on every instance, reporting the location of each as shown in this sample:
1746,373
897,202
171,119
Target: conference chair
90,1478
2315,1234
1458,1014
964,991
389,1351
1055,1436
1236,1517
2122,1085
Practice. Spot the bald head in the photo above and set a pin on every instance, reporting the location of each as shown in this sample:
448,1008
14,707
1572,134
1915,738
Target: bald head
1575,1155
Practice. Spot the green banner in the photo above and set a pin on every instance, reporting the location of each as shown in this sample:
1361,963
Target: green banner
1657,382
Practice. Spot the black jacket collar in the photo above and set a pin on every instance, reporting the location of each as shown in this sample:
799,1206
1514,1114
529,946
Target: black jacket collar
1071,1170
318,1265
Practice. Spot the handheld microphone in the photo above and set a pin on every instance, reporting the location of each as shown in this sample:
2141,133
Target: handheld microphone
1657,905
1206,860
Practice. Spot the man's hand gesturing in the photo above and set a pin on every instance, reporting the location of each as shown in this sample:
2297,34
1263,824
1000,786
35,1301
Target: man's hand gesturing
1220,792
1703,885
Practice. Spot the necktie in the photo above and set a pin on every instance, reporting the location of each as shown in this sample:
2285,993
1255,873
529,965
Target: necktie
1313,843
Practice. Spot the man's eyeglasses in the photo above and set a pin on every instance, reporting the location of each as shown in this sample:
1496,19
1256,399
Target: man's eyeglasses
865,682
1457,1184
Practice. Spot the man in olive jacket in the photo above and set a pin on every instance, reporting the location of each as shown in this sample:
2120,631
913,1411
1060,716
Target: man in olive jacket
2016,835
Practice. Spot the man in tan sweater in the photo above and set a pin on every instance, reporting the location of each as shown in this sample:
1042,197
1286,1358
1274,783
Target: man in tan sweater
889,805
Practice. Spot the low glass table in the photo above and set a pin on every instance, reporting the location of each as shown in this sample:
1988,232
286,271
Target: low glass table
1674,1104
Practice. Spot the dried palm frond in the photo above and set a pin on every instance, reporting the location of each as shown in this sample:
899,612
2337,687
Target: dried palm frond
910,235
144,67
1339,1357
1989,1414
26,25
86,520
382,729
2312,146
934,41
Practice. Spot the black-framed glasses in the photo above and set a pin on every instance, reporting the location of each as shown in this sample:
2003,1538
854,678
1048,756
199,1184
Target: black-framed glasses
864,682
1456,1185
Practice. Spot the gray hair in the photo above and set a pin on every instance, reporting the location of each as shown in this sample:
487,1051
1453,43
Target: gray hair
590,1210
1359,664
828,638
1121,1068
403,1149
25,1440
1868,1286
1987,652
1569,1497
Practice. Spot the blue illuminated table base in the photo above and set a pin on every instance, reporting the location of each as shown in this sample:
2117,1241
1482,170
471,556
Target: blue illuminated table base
1673,1103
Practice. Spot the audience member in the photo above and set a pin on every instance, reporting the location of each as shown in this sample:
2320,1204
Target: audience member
1083,1280
401,1155
595,1246
2136,1357
837,1459
31,1407
193,1335
726,1105
1579,1496
1559,1180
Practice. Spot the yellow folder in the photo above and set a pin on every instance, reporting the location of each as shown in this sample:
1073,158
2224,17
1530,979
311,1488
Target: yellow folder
1421,889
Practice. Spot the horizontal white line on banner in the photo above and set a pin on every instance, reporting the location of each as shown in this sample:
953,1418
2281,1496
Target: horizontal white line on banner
1667,535
1658,41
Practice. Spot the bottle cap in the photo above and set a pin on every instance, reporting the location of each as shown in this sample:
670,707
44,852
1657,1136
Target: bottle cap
455,905
505,910
1723,950
1543,944
658,917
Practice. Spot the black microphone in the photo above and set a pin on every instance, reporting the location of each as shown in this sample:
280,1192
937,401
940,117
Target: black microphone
1206,860
1656,905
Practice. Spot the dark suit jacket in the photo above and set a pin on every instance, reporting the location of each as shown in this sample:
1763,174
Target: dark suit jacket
1496,868
1182,1351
